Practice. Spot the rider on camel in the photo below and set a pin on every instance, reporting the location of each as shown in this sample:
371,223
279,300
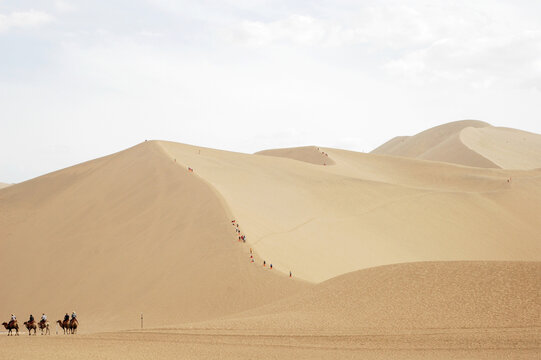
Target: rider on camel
43,318
66,317
31,320
74,317
13,319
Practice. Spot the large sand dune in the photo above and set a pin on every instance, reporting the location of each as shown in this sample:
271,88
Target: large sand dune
138,231
369,210
472,143
128,233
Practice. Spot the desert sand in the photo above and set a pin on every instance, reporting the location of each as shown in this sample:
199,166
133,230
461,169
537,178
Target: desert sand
4,185
429,247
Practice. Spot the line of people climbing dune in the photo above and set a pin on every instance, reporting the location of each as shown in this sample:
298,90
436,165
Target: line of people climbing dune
69,325
242,238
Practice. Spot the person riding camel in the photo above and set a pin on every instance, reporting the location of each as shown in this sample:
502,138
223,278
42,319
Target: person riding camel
43,318
31,320
74,317
66,317
13,319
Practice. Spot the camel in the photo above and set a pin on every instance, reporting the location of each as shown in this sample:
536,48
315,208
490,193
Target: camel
31,325
44,325
64,325
12,325
73,325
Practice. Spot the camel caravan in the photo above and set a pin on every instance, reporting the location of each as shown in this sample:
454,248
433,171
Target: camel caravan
68,325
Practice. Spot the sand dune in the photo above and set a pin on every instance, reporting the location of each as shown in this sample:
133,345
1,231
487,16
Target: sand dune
309,154
149,229
440,143
4,185
129,233
507,148
369,210
407,297
471,143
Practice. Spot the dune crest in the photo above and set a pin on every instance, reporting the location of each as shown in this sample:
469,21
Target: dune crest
309,154
507,148
440,143
472,143
369,210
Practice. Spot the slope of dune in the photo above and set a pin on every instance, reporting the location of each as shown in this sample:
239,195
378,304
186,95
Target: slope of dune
413,296
440,143
390,146
507,148
471,143
309,154
122,235
369,210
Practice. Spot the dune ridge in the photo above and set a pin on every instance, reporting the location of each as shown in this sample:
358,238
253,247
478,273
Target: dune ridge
309,154
440,143
471,143
369,210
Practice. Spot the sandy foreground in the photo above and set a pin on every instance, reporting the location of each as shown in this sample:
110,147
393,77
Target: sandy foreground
208,344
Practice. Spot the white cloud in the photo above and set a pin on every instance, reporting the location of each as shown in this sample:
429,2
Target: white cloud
481,46
23,19
65,6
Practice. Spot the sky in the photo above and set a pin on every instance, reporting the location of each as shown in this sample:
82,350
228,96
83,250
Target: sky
82,79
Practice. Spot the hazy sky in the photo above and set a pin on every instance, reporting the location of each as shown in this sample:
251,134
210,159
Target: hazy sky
82,79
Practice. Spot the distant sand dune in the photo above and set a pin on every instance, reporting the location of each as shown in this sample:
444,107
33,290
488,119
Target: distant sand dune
507,148
309,154
471,143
